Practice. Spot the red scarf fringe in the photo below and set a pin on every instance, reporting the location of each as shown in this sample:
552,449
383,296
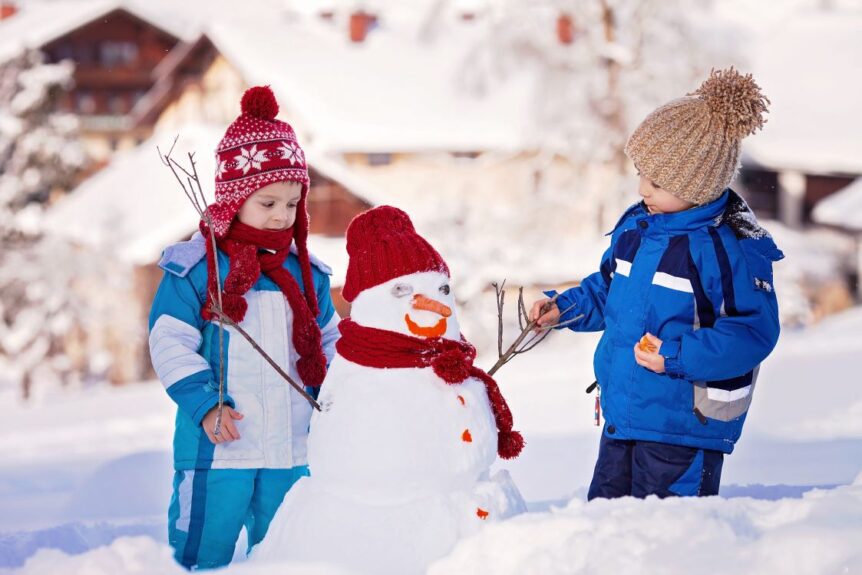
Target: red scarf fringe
452,361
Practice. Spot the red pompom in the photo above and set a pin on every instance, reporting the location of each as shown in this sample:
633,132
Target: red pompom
509,444
451,366
260,103
234,306
312,370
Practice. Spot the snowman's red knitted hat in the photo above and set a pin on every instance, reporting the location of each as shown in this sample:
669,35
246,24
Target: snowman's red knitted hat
257,150
383,244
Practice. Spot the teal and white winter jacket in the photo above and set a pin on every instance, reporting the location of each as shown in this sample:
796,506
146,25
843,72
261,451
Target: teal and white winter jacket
701,281
185,355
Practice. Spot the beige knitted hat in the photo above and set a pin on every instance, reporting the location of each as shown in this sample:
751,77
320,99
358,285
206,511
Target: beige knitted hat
690,146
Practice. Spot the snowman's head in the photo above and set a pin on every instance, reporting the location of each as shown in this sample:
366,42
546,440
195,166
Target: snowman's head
395,279
420,304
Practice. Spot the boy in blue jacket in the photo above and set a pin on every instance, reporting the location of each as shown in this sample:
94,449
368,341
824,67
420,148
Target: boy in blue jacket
685,298
238,474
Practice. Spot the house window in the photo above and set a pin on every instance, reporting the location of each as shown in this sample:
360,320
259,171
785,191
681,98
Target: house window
84,53
116,103
64,51
466,155
112,53
85,102
379,159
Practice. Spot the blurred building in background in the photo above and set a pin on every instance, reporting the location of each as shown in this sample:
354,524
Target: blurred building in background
497,125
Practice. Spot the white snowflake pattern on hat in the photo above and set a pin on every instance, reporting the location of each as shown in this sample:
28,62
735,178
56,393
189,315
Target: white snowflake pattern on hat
291,151
221,168
250,158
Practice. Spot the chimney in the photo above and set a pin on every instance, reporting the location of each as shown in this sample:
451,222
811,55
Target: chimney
566,29
8,9
360,24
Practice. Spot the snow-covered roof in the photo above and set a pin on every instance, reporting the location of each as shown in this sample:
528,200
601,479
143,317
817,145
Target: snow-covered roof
135,206
38,23
398,91
809,66
843,208
333,251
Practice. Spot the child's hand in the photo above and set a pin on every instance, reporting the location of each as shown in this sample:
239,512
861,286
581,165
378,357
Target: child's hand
546,312
228,430
646,353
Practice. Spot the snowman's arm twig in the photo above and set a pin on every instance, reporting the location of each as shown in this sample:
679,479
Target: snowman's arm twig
532,342
228,321
501,295
522,309
513,349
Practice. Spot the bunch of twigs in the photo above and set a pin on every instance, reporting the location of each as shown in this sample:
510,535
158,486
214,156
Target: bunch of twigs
188,179
531,334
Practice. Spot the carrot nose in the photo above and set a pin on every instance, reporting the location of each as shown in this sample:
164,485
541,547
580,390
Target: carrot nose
428,304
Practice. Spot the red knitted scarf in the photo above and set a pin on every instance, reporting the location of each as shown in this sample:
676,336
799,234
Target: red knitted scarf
452,361
251,252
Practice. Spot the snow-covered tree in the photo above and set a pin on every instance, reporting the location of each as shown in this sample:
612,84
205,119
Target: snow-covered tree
39,149
600,66
40,156
596,68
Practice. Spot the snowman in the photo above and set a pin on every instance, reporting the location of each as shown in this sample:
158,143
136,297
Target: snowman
400,454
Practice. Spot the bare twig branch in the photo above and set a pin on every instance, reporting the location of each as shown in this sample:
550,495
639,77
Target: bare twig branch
501,294
522,310
518,345
531,334
228,321
535,340
564,323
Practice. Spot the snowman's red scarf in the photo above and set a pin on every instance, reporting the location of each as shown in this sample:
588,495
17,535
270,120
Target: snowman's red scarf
452,361
243,245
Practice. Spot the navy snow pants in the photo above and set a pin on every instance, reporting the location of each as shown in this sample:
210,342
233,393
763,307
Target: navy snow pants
642,468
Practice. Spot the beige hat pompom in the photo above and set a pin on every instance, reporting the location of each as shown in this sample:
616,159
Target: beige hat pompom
735,102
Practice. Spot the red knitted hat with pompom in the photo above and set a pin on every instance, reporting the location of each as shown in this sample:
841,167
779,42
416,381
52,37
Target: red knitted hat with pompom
383,245
257,150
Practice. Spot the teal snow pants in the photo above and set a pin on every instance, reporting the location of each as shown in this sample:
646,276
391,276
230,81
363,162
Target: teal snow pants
209,507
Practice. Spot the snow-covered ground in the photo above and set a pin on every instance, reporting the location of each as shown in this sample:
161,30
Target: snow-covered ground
85,477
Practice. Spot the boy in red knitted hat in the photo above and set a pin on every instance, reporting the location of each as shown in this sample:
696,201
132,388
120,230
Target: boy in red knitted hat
277,292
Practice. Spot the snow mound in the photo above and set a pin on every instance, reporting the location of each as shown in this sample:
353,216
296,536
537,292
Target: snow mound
818,533
128,555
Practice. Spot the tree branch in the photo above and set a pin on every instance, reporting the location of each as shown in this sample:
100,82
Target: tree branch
531,333
229,322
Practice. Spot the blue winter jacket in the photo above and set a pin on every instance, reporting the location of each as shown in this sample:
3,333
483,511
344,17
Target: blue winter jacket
701,281
184,349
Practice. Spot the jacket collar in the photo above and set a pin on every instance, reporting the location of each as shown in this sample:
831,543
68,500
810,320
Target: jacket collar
687,220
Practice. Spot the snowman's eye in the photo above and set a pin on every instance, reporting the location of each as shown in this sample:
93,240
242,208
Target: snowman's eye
401,290
444,289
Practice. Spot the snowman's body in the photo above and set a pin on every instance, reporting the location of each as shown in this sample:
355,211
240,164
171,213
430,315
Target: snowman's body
399,459
409,427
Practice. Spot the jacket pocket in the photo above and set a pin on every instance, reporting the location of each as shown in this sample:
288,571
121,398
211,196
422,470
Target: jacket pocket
724,400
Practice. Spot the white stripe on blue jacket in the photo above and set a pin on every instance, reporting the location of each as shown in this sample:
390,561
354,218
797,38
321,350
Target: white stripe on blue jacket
185,355
701,281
